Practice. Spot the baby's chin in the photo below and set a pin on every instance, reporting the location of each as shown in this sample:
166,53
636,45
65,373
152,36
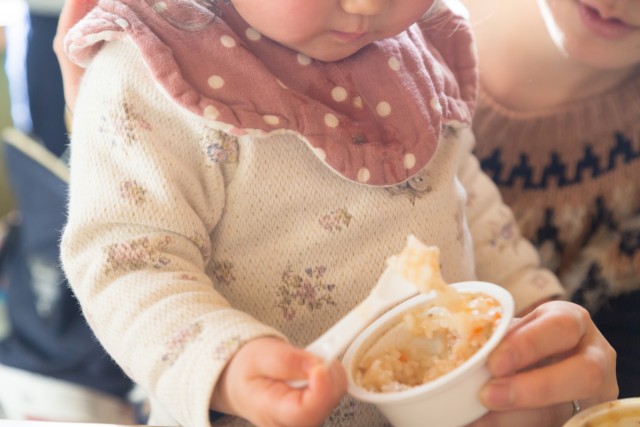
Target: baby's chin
333,53
334,56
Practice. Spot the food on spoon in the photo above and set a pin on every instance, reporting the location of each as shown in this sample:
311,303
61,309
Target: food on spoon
420,265
441,335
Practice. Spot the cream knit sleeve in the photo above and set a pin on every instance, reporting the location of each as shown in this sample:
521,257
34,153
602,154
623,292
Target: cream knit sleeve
143,201
503,256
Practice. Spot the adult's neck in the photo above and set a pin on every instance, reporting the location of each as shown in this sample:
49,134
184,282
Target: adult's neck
521,67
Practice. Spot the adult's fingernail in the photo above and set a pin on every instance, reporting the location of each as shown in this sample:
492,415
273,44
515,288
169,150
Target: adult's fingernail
498,394
503,362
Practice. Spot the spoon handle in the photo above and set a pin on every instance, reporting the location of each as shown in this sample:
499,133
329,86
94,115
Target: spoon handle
335,340
390,290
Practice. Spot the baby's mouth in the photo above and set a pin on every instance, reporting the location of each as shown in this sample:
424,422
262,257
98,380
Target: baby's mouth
607,27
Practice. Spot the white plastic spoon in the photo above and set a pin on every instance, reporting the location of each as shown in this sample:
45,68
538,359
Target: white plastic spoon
391,290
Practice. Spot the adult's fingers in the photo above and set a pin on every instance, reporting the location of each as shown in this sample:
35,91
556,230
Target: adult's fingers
556,354
551,330
73,11
580,376
549,416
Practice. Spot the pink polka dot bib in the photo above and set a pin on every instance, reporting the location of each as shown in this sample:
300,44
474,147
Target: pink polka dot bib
374,118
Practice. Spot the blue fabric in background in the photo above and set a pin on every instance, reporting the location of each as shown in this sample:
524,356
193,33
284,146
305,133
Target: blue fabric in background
44,85
48,333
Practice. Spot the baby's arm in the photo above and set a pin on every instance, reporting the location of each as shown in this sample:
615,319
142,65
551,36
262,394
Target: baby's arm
144,199
503,256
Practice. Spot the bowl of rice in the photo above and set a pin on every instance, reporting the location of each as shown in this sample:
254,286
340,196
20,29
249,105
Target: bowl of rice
423,362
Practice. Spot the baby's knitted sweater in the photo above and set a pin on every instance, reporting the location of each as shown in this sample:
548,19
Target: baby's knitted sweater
187,238
572,177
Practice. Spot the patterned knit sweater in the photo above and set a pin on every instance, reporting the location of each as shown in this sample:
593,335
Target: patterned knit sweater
572,177
187,237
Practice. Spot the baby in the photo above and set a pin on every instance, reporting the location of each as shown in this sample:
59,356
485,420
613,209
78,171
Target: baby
239,173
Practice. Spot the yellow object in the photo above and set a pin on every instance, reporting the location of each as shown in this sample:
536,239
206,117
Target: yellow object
616,413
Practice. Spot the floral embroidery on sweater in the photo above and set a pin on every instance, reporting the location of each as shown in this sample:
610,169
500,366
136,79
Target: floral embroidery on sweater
176,344
121,121
540,281
228,347
220,147
203,244
304,290
223,272
137,254
504,233
344,413
336,220
133,192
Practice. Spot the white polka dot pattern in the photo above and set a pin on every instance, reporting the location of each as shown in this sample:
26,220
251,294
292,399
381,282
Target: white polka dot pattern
211,112
216,82
409,161
364,175
394,63
303,59
331,120
339,94
253,35
271,120
375,118
228,41
383,109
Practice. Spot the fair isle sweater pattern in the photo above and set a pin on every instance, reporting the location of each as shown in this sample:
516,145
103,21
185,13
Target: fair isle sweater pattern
572,177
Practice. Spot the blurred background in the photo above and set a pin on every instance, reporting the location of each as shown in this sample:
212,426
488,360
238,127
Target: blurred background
51,366
11,11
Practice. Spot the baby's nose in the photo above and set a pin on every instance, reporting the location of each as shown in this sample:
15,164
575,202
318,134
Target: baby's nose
363,7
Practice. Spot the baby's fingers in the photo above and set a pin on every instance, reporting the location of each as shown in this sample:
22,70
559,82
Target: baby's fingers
284,363
311,405
326,387
308,406
327,384
256,385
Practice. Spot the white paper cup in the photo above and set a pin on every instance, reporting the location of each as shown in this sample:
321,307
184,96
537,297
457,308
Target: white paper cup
451,400
617,413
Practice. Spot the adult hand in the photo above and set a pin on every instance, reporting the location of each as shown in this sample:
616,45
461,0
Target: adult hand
255,385
73,11
550,357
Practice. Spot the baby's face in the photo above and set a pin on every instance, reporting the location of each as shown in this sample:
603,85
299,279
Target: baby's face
330,30
603,34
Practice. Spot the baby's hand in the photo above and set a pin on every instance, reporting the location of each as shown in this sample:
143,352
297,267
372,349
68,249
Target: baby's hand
255,386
